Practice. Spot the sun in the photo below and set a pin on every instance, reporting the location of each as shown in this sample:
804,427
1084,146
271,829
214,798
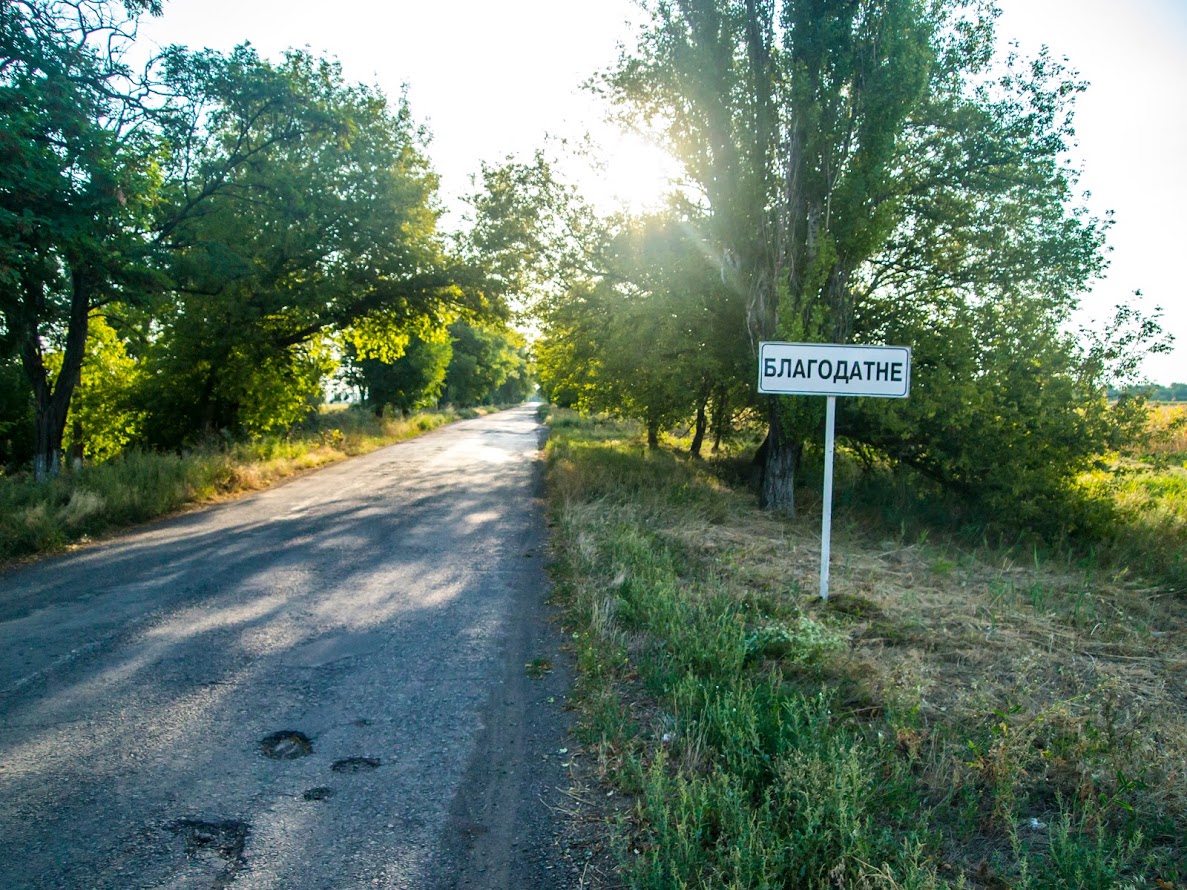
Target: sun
632,173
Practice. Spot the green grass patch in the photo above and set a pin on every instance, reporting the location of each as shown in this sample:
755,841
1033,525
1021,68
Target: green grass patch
951,718
1147,531
138,486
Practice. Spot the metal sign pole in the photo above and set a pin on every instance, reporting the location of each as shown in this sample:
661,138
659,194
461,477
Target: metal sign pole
833,369
826,525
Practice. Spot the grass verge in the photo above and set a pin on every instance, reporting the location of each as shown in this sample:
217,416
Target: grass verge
139,486
950,718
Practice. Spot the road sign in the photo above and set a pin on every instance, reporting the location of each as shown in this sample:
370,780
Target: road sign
831,369
828,369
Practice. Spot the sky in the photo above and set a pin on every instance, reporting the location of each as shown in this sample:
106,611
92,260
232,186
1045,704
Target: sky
496,78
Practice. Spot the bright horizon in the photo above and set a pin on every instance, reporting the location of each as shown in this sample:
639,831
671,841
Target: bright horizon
511,74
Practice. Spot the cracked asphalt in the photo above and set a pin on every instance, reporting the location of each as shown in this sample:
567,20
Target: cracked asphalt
322,685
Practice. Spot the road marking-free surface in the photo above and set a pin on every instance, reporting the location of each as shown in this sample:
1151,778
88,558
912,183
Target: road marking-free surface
295,689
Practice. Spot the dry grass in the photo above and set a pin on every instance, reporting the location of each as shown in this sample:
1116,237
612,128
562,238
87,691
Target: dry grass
967,641
1039,644
138,486
1029,702
1166,434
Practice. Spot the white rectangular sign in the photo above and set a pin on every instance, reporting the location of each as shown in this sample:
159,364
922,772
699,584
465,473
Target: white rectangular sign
825,369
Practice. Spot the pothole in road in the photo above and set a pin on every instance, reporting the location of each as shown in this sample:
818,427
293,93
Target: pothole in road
354,764
288,744
226,839
320,793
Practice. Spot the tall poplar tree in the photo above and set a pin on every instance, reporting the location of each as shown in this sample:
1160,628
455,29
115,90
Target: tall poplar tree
860,157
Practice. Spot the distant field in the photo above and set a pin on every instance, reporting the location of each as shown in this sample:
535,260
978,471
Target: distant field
952,717
1147,487
1168,432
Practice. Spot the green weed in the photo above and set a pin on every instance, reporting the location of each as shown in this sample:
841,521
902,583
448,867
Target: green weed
934,725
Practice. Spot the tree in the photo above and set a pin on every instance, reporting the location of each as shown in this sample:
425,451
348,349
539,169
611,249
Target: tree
318,219
102,420
864,171
77,172
487,360
17,421
655,336
414,380
531,237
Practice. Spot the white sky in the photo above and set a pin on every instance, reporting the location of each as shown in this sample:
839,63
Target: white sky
493,78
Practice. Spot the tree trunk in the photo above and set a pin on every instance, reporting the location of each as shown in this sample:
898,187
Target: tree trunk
652,433
698,438
77,448
720,417
780,461
47,459
52,401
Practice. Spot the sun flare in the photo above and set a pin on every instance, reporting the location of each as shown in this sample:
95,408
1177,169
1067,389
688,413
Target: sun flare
634,174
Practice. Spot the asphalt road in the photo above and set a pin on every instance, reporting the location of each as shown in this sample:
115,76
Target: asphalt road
319,686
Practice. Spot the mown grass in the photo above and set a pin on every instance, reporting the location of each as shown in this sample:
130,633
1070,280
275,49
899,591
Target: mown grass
138,486
950,718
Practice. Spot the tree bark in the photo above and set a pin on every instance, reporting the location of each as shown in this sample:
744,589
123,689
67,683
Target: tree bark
51,401
780,461
47,458
702,424
720,417
652,433
77,447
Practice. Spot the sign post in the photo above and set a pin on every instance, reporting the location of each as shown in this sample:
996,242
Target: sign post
829,369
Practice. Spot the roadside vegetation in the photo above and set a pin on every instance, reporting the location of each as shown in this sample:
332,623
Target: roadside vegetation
1146,487
137,486
201,248
958,714
196,253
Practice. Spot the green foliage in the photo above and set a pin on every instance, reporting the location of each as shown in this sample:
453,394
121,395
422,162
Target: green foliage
489,366
1003,411
16,416
531,234
875,172
1174,392
412,380
243,214
654,337
1146,527
1086,856
77,180
101,422
318,217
